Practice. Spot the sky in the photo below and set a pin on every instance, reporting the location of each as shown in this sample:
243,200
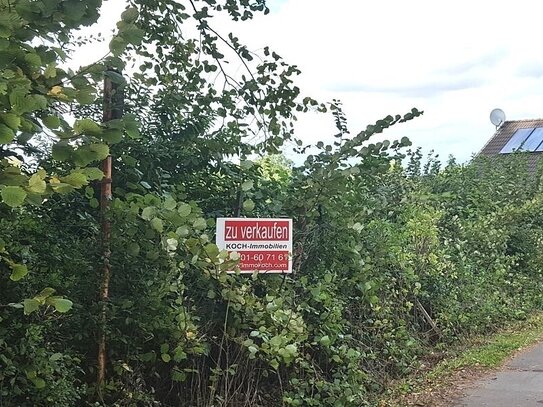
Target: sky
456,61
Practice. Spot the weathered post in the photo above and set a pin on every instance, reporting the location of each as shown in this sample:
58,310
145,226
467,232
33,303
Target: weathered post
113,104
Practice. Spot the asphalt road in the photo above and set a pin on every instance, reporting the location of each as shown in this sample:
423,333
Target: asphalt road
518,384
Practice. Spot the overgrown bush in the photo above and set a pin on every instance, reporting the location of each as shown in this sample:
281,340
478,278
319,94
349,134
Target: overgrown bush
388,264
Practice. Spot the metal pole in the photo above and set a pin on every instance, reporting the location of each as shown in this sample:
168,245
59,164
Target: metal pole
110,112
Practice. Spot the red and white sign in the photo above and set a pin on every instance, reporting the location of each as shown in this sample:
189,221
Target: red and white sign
263,244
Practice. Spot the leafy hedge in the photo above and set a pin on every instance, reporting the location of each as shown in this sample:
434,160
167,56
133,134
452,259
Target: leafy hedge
388,264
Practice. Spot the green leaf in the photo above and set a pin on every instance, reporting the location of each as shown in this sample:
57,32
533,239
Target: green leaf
61,304
85,96
62,151
117,45
50,71
178,376
133,249
246,186
30,305
199,224
52,122
133,133
36,102
55,356
148,213
18,272
157,224
61,187
44,294
102,150
248,205
182,231
212,250
75,10
18,101
33,59
112,136
89,192
184,210
130,15
38,382
325,341
36,183
179,354
34,199
166,357
11,120
246,164
132,34
9,22
24,137
83,156
131,126
75,179
170,204
87,126
13,196
6,134
291,349
29,126
93,173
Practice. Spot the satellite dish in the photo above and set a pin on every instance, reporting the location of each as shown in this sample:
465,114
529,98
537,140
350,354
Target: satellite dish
497,117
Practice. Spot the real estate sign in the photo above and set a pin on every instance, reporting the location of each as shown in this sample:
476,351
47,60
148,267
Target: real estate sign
263,244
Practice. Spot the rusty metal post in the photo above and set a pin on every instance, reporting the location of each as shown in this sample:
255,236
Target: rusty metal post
112,108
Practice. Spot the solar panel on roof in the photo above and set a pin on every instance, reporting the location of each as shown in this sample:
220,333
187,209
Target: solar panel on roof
538,134
516,141
534,140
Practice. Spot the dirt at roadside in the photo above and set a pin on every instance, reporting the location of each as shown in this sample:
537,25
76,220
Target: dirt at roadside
445,387
443,393
448,390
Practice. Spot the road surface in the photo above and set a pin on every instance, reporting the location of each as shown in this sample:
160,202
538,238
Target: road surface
519,383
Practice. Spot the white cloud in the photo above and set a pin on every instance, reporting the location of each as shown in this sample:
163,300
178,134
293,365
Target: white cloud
454,60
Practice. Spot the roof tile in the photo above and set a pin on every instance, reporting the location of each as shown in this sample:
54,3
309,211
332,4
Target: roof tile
504,133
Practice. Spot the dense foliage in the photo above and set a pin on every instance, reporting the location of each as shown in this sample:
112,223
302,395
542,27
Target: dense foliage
393,255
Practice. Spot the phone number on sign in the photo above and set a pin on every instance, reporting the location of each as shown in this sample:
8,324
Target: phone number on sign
263,260
266,257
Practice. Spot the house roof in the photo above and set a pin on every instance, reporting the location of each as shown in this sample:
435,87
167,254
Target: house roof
504,133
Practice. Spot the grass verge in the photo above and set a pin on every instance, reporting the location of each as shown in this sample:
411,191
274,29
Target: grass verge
431,384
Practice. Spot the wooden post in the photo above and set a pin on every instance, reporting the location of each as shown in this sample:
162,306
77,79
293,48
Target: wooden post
112,110
105,198
238,204
427,317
